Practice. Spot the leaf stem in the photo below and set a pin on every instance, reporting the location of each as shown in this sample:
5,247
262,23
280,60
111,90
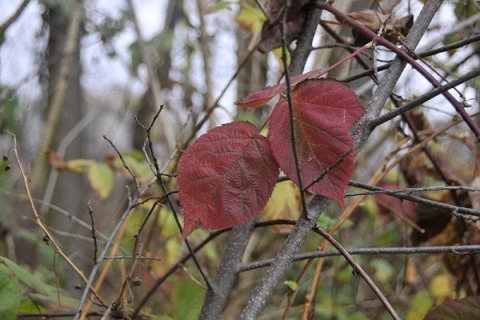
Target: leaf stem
290,107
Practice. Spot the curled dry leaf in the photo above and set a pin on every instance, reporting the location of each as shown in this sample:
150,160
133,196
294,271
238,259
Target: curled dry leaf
394,29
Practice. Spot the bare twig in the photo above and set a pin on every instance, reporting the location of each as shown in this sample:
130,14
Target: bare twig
163,185
13,17
357,269
460,250
399,194
125,165
406,57
42,226
290,108
360,133
433,93
94,233
81,314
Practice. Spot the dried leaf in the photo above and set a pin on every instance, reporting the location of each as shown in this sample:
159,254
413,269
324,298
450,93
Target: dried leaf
271,35
394,29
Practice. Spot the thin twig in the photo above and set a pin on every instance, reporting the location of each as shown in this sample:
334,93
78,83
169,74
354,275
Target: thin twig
361,132
125,165
132,201
403,196
326,171
357,269
460,250
94,233
42,226
13,17
433,93
290,108
170,203
459,107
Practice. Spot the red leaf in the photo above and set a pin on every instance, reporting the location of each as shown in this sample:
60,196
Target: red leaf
456,309
226,177
259,98
324,111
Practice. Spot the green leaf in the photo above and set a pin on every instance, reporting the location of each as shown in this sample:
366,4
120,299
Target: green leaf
9,294
26,277
78,165
292,285
29,306
383,269
419,305
101,178
187,293
251,18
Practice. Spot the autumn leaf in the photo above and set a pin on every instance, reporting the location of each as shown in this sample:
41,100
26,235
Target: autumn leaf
271,34
226,177
284,204
250,18
324,111
456,309
101,179
100,175
394,29
260,97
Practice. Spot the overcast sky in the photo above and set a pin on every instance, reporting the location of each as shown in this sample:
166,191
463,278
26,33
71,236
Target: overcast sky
18,53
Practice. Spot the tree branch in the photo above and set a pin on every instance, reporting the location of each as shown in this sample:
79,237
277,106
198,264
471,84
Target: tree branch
14,17
467,249
238,238
361,132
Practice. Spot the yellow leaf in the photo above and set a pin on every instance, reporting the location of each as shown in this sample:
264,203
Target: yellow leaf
419,306
441,287
284,204
78,165
100,177
251,19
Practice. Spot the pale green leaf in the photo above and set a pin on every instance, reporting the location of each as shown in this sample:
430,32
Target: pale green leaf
101,179
9,294
187,293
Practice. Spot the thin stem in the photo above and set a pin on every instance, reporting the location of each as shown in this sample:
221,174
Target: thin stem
459,107
460,250
40,223
433,93
357,269
290,108
361,132
399,194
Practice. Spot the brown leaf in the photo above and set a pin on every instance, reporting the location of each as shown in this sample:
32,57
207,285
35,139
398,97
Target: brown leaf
271,36
56,161
394,29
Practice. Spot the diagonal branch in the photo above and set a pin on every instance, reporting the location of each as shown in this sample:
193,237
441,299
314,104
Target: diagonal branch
361,132
459,107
